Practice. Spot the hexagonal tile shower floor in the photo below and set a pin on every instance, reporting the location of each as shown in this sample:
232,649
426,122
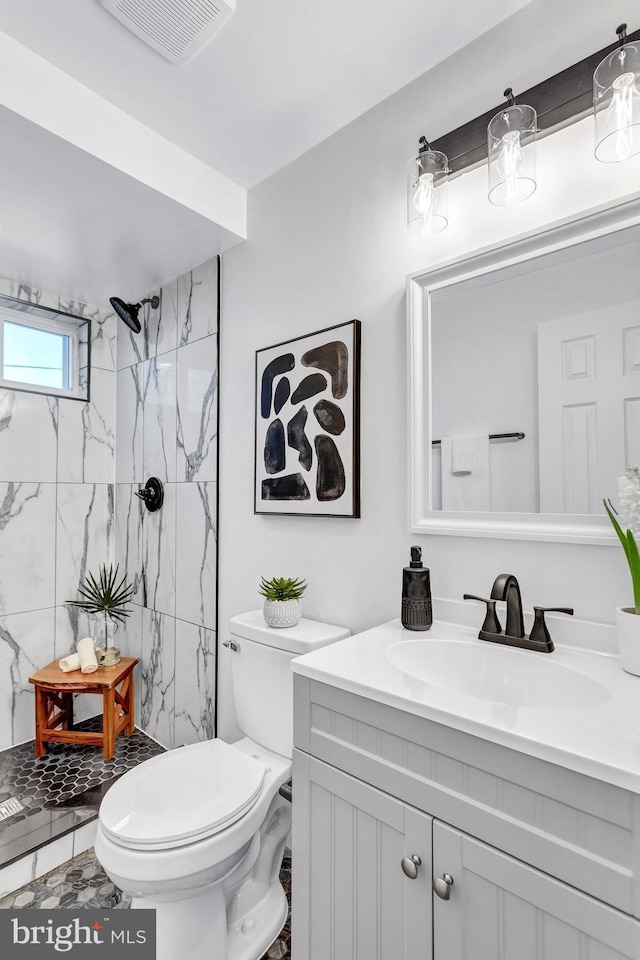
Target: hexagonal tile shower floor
82,883
62,790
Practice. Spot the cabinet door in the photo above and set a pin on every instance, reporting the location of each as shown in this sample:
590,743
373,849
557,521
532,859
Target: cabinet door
501,909
351,899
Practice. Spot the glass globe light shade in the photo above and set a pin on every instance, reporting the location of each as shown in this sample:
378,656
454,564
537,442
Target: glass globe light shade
511,149
427,183
616,104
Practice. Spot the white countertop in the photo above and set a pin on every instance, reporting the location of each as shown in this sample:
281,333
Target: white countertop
601,741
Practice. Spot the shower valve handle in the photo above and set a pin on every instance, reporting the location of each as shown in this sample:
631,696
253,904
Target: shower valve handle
152,494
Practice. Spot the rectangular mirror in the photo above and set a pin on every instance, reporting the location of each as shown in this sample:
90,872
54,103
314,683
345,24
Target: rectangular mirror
524,400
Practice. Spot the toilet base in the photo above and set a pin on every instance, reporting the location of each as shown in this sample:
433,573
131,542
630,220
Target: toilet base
180,932
251,937
239,916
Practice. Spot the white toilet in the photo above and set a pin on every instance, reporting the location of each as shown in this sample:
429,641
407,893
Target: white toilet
198,833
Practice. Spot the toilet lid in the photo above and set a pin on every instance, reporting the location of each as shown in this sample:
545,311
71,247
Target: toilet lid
181,796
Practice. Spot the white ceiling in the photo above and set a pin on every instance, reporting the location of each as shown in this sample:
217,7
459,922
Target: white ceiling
77,226
281,76
119,170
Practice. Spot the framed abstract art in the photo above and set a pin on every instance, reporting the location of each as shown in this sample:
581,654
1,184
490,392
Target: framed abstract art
307,453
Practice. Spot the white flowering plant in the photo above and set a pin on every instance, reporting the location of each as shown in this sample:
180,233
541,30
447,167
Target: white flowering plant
629,501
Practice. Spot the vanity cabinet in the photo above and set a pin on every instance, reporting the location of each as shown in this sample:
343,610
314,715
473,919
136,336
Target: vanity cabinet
351,897
501,908
544,861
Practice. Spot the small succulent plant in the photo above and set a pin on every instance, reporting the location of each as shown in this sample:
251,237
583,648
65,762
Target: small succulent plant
282,588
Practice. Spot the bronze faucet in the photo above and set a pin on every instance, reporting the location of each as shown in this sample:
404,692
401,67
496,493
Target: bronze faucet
506,587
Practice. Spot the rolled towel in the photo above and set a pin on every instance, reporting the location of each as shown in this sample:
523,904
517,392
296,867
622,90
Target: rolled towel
87,654
72,662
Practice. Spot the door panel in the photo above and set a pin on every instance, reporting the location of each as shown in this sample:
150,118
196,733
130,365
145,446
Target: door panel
351,899
588,405
501,909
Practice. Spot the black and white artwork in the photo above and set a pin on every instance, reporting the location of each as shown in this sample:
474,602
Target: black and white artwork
307,424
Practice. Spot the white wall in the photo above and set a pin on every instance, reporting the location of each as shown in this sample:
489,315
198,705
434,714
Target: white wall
328,242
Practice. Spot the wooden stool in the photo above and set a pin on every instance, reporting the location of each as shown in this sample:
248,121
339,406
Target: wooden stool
54,704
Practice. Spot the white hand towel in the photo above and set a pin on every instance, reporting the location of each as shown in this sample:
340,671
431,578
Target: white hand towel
463,454
87,654
72,662
468,489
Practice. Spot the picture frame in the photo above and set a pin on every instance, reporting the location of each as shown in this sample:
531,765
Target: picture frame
307,425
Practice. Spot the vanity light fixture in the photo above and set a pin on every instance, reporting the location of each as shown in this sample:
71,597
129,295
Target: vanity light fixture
511,149
616,101
561,99
607,81
427,183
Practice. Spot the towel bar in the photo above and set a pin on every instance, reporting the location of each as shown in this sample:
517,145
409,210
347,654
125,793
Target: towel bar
492,436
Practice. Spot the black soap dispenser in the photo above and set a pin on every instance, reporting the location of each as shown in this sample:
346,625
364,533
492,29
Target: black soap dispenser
416,594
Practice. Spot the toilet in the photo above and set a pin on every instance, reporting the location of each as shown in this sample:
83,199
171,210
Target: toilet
198,833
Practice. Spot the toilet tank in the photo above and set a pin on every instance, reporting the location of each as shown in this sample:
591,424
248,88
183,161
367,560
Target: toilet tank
262,677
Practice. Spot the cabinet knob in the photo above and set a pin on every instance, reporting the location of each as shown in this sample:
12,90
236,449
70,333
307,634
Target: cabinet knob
442,886
410,866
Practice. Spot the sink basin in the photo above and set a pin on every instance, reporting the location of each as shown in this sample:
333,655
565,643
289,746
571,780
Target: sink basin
500,674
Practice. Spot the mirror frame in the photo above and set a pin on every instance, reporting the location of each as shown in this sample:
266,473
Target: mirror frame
565,528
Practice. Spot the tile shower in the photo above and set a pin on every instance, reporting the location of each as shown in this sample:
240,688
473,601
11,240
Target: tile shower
166,426
56,513
68,474
59,794
61,513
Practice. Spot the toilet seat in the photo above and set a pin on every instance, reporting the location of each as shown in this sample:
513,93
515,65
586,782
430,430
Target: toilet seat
182,796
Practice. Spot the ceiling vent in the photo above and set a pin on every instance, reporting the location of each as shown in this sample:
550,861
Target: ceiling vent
176,29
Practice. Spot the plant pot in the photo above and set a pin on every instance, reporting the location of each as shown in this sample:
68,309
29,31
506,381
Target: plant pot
108,656
107,651
282,613
628,624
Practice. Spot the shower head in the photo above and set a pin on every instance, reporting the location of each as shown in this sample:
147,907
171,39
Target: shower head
129,311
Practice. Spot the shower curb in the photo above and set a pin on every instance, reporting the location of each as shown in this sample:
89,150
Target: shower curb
50,855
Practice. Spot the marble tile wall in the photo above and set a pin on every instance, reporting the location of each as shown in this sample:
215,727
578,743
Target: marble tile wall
57,463
166,426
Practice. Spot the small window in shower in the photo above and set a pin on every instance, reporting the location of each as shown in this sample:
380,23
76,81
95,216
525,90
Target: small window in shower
43,351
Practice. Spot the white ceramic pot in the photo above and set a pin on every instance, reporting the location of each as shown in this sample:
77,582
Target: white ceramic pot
282,613
628,624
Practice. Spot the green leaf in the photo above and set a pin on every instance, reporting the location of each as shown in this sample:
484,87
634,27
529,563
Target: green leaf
282,588
106,594
631,552
616,526
633,556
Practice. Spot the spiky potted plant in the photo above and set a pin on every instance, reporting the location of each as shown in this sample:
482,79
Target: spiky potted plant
282,607
628,618
106,597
